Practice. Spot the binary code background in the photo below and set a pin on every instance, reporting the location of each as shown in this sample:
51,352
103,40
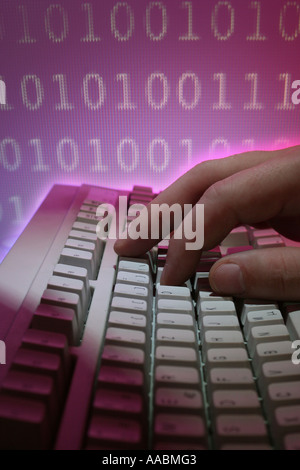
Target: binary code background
116,93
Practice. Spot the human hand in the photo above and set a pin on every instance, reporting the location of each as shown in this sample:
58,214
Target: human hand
250,188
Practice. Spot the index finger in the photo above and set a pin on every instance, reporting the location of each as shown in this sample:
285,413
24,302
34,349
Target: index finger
189,188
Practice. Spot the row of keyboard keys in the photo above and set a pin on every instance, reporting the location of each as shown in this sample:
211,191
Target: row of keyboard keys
123,383
178,402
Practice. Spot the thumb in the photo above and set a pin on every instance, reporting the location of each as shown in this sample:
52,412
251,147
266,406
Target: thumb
271,273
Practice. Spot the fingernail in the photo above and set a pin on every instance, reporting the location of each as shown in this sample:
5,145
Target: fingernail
228,279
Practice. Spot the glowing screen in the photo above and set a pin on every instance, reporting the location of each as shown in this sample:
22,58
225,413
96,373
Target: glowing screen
122,92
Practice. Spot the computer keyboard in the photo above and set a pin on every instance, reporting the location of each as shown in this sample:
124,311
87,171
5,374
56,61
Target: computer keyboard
99,355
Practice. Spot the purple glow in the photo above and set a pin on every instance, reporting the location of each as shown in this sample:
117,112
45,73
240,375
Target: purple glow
118,93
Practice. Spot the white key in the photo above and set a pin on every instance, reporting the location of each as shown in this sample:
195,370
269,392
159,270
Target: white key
241,427
281,371
178,398
217,308
251,305
287,419
80,258
292,441
224,322
134,266
85,246
88,208
64,299
177,374
89,218
262,318
293,325
221,339
263,233
173,292
283,394
134,305
85,227
120,354
125,336
264,334
88,237
128,319
91,202
133,278
232,378
183,320
133,291
176,306
269,242
179,425
237,237
171,353
267,352
220,357
66,284
174,335
73,272
235,401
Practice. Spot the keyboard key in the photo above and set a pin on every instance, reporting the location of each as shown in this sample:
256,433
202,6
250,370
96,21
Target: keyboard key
66,284
182,320
242,428
252,305
58,319
262,318
133,278
134,320
227,357
267,352
179,398
38,362
286,421
133,267
122,335
269,242
292,441
210,307
66,300
113,401
280,371
178,375
282,394
80,258
233,401
233,378
133,305
175,354
221,339
266,334
175,306
131,291
73,272
119,355
175,336
122,376
124,432
23,424
293,325
173,292
179,426
48,341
